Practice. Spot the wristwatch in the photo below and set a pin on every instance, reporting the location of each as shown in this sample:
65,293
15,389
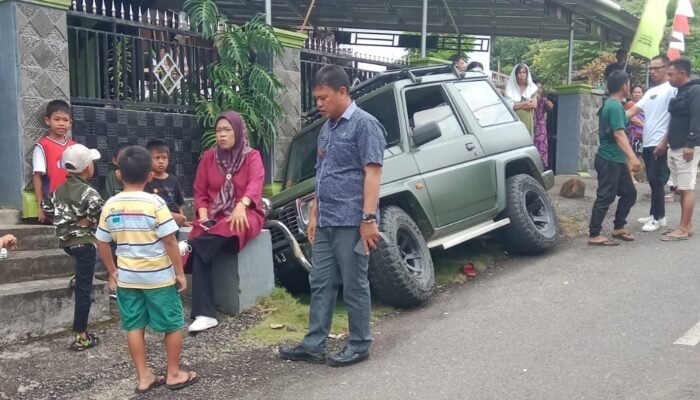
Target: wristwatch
367,217
246,202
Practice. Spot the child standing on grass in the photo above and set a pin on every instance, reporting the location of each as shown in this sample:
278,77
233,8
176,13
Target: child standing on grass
164,184
148,274
49,173
75,209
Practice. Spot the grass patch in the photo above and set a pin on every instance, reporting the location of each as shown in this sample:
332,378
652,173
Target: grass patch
572,226
281,308
449,264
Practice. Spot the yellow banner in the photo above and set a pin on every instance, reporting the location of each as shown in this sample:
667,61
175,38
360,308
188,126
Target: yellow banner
650,30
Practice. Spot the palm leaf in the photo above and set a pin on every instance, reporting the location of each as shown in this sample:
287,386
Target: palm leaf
204,14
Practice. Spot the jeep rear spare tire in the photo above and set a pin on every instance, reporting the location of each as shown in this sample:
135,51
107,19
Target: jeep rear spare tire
533,227
401,270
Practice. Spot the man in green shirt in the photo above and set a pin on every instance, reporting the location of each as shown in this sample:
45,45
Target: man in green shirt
614,163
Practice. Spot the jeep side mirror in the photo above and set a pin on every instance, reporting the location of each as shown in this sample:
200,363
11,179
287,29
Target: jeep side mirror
426,133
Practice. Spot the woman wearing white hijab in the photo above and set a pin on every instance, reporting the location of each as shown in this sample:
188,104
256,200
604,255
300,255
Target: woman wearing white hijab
522,91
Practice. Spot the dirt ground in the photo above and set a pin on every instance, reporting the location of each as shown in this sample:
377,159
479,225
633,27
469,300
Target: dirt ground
228,365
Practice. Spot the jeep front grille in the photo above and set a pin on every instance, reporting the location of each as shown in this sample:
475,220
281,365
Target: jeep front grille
289,217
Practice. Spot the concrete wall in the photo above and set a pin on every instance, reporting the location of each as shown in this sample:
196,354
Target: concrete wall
11,151
590,139
287,69
577,132
35,40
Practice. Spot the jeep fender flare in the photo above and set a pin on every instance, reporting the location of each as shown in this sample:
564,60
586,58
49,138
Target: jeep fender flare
516,164
410,196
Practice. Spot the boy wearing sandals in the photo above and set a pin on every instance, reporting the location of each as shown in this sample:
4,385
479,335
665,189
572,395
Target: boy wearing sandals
614,164
75,208
148,274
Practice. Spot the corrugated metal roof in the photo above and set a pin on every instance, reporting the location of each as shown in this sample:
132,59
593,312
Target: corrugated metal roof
601,20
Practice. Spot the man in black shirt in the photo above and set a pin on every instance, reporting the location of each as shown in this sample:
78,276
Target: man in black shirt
683,138
620,65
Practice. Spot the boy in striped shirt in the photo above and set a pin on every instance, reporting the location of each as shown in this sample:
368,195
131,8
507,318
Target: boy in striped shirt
148,274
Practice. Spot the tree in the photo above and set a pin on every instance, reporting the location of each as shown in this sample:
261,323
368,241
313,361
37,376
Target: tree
240,82
508,52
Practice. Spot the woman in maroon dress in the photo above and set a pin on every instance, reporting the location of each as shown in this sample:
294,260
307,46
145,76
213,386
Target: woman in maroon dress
228,202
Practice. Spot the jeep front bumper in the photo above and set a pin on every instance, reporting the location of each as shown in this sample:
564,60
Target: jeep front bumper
548,179
293,243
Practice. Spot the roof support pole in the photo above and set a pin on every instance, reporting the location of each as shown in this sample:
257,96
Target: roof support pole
424,31
268,12
571,51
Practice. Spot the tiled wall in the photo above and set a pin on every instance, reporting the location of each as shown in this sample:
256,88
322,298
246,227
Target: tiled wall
105,128
43,67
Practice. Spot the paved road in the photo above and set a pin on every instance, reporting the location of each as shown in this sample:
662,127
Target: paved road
580,323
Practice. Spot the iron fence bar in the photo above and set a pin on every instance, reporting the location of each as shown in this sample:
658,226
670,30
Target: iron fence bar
134,70
125,72
98,66
318,53
105,71
87,101
134,24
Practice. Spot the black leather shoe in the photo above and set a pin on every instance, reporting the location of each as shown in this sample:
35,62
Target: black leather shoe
301,353
346,357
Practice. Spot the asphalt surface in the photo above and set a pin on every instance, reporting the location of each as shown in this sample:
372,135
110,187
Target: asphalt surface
579,323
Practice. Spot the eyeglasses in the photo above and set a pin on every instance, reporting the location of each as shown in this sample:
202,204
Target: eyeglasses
658,68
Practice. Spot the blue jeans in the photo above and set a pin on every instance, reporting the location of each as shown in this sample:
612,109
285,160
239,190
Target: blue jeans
335,262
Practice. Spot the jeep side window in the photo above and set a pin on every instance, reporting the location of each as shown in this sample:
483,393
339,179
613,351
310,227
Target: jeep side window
383,107
430,104
485,103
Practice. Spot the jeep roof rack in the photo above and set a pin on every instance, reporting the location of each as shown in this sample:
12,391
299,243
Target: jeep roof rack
385,78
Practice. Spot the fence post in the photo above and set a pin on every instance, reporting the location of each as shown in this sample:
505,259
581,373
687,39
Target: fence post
33,70
287,69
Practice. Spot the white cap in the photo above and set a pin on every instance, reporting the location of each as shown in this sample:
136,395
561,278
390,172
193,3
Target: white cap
77,157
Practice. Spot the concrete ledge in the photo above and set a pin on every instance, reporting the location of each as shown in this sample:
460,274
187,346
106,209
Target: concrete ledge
22,266
32,237
9,217
43,307
241,279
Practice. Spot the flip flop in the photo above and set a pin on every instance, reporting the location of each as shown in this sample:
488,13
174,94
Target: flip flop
607,243
158,381
624,236
190,381
669,231
670,238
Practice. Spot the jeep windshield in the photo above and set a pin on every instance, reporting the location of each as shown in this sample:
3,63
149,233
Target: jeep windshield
301,164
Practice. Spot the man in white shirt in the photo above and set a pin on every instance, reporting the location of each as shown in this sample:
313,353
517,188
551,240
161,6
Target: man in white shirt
654,104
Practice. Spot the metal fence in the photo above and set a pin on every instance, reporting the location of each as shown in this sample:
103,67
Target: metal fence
138,58
319,52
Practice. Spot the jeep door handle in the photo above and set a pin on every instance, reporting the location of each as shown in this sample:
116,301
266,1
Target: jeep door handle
470,146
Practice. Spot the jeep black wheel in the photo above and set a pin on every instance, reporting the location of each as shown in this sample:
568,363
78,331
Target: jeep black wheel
533,227
401,270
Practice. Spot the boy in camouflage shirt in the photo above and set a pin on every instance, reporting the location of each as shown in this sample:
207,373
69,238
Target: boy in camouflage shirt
75,208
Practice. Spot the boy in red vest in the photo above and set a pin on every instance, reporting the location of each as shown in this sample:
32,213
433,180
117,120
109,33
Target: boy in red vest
49,173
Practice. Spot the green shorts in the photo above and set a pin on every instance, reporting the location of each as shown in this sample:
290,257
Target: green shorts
161,309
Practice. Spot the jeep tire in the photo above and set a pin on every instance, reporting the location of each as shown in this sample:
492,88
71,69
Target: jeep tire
401,270
533,227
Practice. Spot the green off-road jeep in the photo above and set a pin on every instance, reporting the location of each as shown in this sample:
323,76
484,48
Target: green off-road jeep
458,164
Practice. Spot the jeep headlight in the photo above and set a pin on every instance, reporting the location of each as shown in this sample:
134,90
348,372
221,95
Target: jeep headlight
266,206
304,210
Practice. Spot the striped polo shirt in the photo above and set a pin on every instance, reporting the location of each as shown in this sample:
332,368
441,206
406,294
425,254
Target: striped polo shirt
137,221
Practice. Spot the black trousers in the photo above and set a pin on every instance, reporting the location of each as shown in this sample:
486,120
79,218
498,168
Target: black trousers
657,175
205,249
614,179
85,257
